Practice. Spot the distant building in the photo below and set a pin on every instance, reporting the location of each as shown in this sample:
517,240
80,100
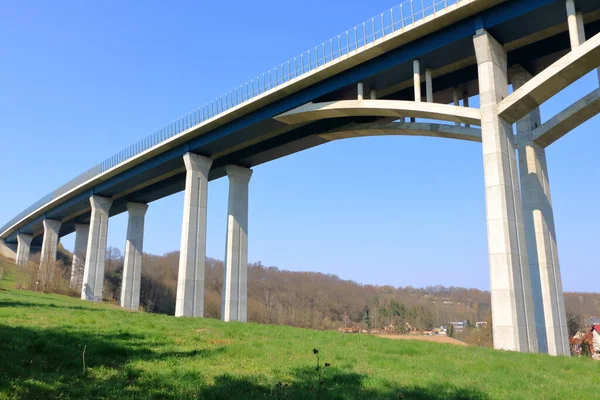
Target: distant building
459,325
481,324
592,321
596,338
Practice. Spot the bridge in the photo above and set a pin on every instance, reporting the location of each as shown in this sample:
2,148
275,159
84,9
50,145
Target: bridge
408,71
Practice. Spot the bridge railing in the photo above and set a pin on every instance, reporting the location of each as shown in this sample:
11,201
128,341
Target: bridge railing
382,25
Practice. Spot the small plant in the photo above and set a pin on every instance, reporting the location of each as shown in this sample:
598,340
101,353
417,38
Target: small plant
83,358
321,380
280,390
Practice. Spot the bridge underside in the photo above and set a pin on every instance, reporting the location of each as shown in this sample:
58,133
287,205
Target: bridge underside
257,138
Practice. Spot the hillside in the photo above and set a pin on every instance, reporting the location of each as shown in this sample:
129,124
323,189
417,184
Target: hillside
316,300
46,338
321,301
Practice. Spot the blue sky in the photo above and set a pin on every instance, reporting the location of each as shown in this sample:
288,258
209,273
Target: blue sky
79,81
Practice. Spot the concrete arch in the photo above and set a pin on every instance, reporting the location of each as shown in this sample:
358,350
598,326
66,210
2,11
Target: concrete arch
403,129
380,108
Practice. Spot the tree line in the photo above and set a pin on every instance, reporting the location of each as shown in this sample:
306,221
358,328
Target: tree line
323,301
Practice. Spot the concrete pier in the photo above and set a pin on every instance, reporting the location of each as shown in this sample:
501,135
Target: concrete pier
512,303
456,100
93,273
235,275
134,248
428,86
576,28
575,23
82,232
542,250
48,252
417,80
359,91
466,104
190,281
23,248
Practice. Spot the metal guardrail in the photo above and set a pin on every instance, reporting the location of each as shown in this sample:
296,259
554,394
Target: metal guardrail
382,25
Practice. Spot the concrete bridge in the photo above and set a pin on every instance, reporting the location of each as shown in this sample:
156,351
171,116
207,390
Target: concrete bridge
419,60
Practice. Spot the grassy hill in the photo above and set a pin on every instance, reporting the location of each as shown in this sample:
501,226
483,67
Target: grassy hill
138,355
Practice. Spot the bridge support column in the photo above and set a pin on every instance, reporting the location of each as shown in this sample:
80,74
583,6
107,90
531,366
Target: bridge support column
82,232
23,248
417,80
575,22
416,83
428,86
456,101
576,27
466,104
542,251
510,286
48,252
191,276
93,273
134,247
235,275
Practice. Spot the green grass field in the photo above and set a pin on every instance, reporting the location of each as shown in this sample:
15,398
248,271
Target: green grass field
138,355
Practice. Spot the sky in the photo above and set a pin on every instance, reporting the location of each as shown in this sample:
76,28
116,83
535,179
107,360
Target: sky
80,81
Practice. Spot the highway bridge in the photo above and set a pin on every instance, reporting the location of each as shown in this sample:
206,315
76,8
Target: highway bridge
409,71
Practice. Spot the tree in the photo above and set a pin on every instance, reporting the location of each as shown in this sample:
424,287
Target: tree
450,330
366,317
574,323
375,308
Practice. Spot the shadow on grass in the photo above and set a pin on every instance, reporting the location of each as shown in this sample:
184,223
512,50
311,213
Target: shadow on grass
337,385
12,303
47,363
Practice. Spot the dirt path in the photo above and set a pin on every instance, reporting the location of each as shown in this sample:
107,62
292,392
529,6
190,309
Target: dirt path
435,338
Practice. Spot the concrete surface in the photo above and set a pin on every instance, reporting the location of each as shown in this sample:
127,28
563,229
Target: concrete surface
380,108
23,248
93,273
48,251
510,287
134,252
380,128
578,62
235,275
82,232
542,249
191,277
568,119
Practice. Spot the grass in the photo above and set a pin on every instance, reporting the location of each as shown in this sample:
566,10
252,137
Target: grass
138,355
